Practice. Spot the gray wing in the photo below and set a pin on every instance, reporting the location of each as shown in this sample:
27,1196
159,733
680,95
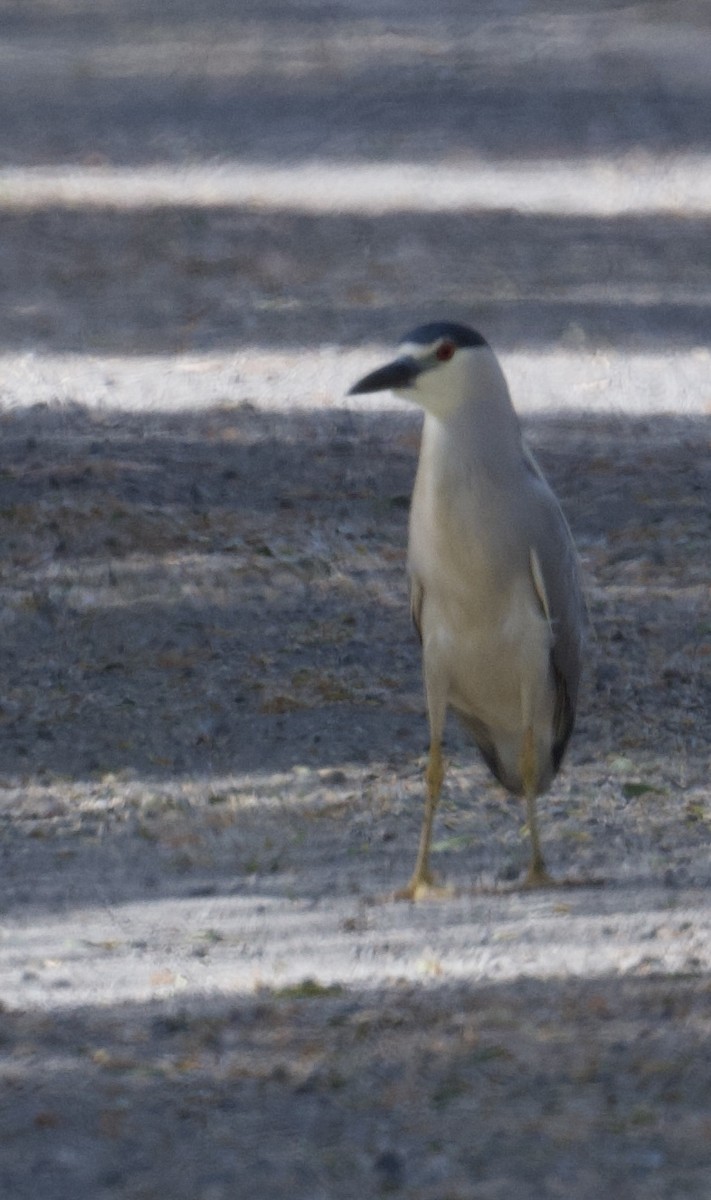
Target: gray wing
555,572
417,596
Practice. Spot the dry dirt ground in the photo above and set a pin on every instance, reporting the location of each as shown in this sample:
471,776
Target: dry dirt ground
211,721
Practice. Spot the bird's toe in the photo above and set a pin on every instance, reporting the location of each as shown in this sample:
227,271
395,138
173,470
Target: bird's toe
537,877
423,889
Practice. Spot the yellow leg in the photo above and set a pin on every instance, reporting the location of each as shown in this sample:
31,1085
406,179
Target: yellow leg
422,883
537,874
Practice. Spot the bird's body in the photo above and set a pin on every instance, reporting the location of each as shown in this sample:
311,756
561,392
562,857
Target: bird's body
495,593
476,529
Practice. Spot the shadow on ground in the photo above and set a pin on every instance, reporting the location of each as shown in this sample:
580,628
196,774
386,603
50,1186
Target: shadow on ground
545,1087
206,643
142,83
175,583
137,85
169,280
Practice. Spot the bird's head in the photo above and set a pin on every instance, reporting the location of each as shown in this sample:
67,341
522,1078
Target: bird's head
436,366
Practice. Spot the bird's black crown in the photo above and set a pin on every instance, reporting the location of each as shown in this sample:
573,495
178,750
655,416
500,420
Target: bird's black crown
461,335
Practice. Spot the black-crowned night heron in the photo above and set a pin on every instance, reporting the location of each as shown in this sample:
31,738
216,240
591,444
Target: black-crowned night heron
495,587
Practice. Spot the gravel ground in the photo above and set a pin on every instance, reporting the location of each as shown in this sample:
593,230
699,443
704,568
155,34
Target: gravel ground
212,724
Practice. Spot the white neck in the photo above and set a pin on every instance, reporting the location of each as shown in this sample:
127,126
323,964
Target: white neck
468,408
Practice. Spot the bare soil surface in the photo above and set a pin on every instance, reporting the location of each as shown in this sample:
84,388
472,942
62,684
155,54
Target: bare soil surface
211,723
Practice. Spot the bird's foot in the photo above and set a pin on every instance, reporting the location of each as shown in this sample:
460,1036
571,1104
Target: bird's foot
538,877
423,887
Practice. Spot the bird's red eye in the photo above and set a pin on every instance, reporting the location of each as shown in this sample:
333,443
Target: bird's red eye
445,351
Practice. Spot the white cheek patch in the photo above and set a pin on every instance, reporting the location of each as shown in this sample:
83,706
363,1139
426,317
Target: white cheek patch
441,389
442,386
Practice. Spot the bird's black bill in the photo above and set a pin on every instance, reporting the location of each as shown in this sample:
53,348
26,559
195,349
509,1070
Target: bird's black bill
398,374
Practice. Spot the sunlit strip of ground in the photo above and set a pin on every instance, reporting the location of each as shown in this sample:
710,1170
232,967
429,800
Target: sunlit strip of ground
235,944
602,381
605,186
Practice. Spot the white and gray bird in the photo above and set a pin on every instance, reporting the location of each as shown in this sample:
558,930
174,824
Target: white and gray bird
495,588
